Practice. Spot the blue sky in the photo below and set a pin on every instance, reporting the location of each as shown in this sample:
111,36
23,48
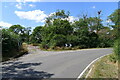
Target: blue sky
32,14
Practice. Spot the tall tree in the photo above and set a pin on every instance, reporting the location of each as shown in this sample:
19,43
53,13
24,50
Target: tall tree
36,35
93,23
57,26
11,43
115,18
59,14
22,31
18,29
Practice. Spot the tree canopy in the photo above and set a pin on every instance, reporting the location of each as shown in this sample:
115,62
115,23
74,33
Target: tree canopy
58,31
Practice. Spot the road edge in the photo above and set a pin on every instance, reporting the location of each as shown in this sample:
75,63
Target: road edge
90,65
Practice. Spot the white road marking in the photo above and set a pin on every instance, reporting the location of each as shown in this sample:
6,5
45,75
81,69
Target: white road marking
89,66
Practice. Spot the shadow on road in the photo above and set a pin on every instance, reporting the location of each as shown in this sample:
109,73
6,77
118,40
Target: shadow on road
22,71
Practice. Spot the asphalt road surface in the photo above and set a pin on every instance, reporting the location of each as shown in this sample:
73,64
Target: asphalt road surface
51,64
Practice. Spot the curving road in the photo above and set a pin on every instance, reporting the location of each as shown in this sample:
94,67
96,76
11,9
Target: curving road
51,64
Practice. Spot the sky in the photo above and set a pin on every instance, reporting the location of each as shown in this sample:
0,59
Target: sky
32,14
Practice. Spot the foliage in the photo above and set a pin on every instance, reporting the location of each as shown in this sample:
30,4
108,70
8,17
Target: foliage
85,37
10,43
22,31
93,39
36,35
58,32
93,23
117,48
58,40
114,17
55,35
60,14
106,37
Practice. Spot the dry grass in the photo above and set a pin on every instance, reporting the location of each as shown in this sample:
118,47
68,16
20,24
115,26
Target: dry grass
104,68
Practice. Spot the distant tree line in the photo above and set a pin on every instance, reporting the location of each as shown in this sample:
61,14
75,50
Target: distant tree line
58,32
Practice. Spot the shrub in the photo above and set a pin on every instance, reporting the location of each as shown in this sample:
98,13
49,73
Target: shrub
117,48
116,55
11,44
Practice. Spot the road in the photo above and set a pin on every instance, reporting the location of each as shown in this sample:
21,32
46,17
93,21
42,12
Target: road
51,64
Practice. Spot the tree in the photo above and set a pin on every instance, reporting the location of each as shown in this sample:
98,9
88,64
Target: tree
11,43
51,34
56,28
58,40
93,24
93,41
22,31
59,14
84,30
62,27
36,35
117,48
26,34
115,18
73,40
17,29
81,32
81,24
106,37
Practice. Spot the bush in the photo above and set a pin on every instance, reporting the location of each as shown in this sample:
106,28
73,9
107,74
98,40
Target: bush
117,48
11,44
58,40
116,55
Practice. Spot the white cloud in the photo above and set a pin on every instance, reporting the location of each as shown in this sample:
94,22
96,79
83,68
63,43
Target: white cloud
94,7
51,14
37,15
28,1
31,5
19,5
72,18
108,21
5,24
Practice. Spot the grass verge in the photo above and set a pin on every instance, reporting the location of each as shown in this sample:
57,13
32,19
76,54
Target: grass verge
103,68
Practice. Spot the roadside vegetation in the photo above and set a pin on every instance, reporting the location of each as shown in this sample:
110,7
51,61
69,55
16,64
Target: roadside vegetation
59,33
108,66
12,45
